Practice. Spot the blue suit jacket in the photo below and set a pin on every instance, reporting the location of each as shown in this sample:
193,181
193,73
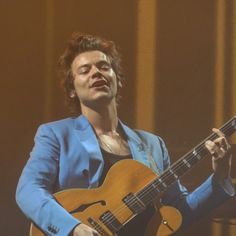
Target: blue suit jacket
66,154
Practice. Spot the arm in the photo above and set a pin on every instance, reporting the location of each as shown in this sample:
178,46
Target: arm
35,187
209,195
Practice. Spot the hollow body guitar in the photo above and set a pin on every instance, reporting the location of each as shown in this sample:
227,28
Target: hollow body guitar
128,189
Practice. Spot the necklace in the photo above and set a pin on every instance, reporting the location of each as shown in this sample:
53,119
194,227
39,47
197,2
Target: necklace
114,144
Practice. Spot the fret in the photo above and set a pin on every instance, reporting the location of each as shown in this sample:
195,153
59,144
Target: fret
162,183
186,163
180,167
155,187
196,154
169,176
192,159
174,174
159,185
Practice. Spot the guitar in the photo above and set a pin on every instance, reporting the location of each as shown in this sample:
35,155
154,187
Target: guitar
108,211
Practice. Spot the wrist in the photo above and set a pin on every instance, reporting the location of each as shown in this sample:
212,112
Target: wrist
221,177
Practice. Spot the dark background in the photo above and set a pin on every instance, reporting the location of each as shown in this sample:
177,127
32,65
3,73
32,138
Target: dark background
34,34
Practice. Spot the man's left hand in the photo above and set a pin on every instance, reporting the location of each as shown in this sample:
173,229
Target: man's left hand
220,150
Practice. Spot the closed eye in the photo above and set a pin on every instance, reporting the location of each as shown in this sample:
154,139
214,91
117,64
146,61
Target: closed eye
103,66
84,69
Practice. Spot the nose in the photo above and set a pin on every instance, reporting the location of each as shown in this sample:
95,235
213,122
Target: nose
96,72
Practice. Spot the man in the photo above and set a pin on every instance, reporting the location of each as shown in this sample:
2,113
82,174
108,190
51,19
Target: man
77,152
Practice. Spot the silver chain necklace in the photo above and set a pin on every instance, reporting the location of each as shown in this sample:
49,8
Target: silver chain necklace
120,146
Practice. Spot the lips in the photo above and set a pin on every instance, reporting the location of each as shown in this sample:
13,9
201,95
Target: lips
99,83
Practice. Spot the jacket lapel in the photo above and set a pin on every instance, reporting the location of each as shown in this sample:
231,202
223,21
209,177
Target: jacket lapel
87,138
138,149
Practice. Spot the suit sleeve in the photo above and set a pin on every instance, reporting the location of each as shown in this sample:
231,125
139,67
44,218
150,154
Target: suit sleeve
35,187
193,205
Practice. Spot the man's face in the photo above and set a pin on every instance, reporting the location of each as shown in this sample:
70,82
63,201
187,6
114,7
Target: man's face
94,78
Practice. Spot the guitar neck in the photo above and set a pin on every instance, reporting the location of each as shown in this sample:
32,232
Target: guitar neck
183,165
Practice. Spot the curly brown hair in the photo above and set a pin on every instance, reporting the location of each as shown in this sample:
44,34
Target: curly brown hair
80,43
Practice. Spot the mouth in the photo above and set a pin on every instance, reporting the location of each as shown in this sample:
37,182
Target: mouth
99,83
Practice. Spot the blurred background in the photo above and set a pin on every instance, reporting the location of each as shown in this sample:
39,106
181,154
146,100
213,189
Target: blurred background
179,58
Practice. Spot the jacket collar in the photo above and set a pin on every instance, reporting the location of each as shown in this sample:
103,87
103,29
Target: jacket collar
88,139
138,148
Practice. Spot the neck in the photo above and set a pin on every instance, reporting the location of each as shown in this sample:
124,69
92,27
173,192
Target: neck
103,118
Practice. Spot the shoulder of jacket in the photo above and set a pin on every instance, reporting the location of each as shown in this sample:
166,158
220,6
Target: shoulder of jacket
62,124
146,134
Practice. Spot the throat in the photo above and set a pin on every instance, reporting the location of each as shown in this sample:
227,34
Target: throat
103,119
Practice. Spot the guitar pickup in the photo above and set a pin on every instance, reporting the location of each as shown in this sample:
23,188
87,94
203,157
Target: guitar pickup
134,203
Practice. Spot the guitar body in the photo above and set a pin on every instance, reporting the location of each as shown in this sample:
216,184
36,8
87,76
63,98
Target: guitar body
125,177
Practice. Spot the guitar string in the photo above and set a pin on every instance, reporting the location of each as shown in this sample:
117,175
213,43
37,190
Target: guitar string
109,219
118,210
180,164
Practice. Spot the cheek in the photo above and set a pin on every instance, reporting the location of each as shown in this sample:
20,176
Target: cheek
113,77
78,86
78,83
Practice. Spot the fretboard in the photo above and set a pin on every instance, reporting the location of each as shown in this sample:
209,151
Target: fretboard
183,165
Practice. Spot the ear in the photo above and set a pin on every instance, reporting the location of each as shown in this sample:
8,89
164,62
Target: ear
72,94
120,84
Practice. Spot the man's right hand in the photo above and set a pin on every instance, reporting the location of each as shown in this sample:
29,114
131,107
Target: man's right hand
84,230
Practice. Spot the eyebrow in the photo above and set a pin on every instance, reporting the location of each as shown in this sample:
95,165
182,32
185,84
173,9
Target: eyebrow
97,63
84,65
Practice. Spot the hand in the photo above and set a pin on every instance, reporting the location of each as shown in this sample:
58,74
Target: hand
220,150
84,230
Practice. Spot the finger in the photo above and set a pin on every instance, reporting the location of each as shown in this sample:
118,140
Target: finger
225,144
222,143
211,147
223,140
214,150
221,153
218,132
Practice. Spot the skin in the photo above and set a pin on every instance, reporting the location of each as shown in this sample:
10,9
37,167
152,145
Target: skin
220,150
98,104
96,86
